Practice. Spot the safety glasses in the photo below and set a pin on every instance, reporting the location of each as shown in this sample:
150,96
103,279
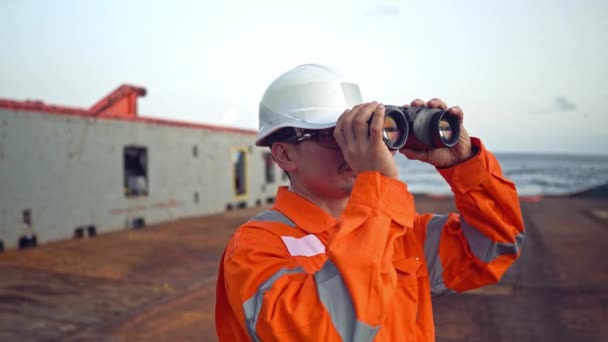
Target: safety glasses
323,137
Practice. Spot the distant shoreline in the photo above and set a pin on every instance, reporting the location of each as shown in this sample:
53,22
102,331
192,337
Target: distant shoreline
600,191
550,154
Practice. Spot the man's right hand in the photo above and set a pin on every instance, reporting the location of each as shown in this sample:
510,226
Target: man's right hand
361,143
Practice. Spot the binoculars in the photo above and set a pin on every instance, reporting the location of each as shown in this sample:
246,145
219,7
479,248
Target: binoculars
419,128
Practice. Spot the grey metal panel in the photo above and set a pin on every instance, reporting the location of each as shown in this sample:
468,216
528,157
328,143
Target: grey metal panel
69,171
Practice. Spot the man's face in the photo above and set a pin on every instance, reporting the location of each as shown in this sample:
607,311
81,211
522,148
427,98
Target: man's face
321,168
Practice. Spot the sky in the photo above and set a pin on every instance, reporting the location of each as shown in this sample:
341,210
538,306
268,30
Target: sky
530,76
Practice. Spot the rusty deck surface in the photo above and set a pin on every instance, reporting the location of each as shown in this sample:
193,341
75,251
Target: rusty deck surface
158,283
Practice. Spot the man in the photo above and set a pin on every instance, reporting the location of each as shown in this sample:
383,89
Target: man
343,255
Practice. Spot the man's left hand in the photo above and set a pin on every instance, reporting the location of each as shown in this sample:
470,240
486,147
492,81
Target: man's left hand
443,156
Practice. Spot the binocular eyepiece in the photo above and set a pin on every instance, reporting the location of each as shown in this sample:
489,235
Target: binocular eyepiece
419,128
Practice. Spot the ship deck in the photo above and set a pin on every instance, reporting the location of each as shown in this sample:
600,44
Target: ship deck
158,283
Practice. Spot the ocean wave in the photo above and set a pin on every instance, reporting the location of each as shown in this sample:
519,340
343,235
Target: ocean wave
532,174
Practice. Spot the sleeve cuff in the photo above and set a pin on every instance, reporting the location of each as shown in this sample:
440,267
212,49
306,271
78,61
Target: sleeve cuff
387,195
471,173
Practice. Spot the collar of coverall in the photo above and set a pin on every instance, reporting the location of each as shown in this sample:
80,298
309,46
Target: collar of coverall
302,212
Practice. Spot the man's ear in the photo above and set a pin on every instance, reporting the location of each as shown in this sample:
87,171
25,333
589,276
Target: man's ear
283,154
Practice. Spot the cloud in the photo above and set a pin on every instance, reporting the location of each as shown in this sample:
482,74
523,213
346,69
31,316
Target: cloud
384,10
563,104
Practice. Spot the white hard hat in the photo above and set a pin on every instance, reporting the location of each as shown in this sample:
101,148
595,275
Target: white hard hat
309,96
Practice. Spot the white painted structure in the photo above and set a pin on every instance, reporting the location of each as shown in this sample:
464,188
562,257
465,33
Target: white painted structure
68,171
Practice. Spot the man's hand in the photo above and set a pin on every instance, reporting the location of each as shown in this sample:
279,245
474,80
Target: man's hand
444,156
361,143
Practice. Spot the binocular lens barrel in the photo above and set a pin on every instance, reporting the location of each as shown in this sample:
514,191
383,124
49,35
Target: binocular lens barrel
445,131
394,131
419,128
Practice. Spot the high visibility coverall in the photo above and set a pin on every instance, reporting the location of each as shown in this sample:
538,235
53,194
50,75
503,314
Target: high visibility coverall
295,273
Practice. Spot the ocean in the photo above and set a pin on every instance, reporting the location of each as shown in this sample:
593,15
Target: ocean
533,174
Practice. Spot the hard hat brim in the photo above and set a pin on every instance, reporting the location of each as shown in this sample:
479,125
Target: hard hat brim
323,120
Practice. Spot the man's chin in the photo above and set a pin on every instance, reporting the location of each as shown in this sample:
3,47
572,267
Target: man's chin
344,184
347,172
349,184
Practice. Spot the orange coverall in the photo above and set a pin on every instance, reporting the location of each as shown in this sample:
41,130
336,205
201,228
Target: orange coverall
295,273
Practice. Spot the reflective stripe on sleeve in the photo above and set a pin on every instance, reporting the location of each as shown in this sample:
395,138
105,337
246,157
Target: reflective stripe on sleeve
332,293
485,249
337,301
273,216
431,253
253,305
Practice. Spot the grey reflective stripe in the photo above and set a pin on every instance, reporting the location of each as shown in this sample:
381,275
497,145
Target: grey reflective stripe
253,305
484,248
274,216
438,288
337,301
431,253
